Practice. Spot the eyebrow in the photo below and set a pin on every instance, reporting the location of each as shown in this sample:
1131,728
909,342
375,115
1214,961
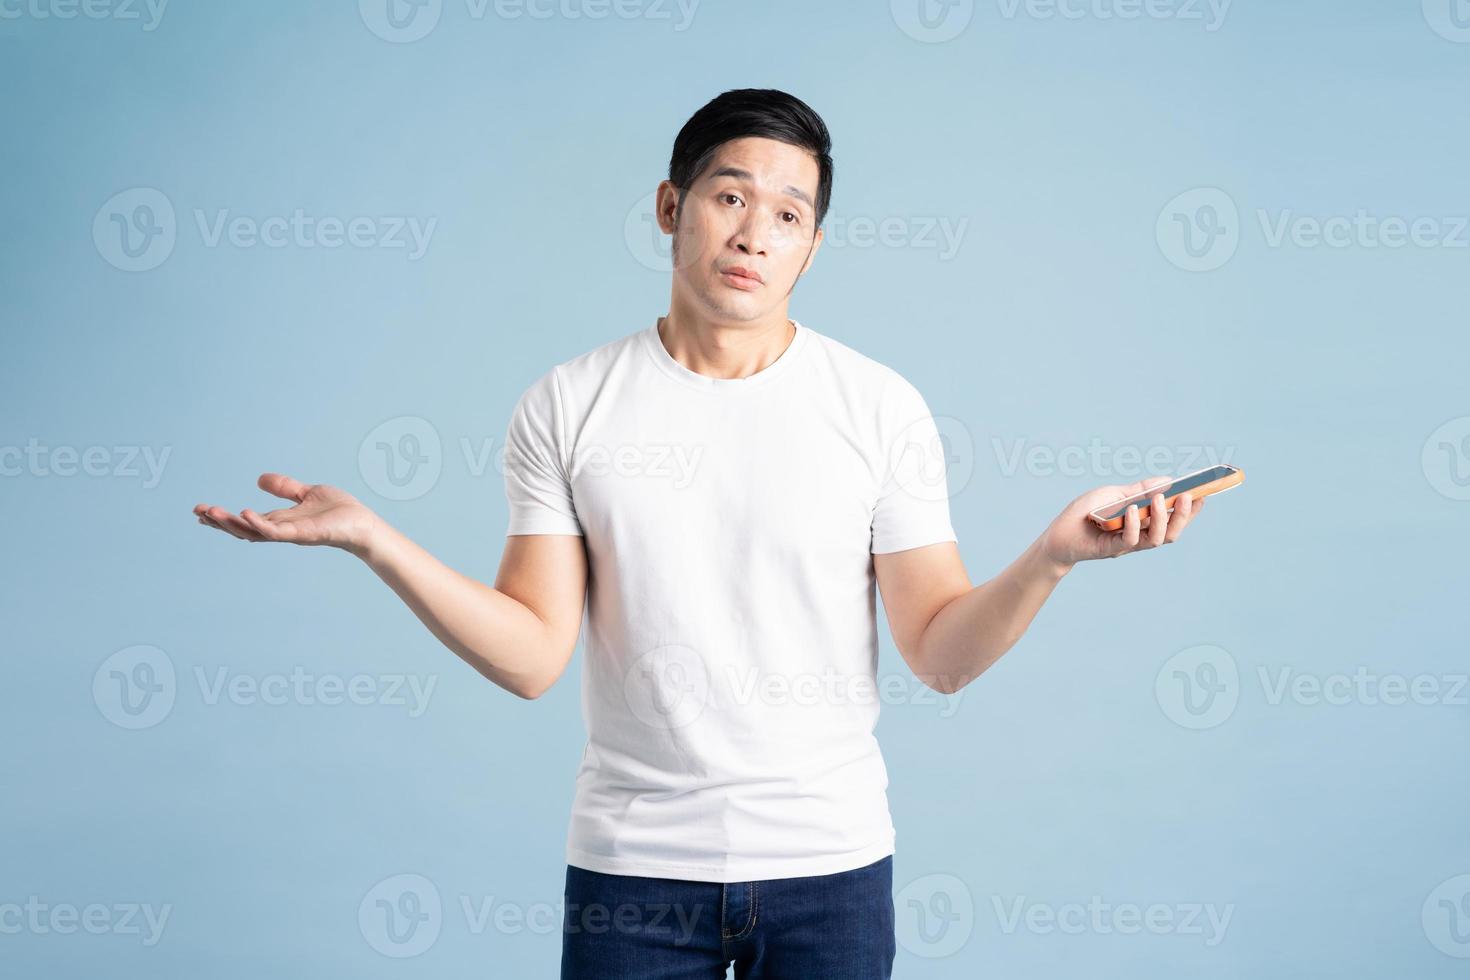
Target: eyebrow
739,174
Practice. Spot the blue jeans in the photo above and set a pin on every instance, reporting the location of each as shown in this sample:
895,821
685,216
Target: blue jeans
821,927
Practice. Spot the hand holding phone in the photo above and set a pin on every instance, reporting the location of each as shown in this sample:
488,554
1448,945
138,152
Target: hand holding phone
1200,483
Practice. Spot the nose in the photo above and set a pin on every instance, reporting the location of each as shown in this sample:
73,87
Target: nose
750,237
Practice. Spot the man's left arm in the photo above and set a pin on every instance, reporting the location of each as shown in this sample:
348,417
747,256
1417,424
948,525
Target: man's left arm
950,632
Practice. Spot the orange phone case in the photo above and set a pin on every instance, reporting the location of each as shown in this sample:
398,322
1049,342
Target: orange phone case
1232,479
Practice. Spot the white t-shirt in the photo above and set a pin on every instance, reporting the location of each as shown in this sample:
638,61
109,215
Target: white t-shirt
730,646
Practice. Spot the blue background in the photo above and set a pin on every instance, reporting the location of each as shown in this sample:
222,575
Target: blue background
1063,319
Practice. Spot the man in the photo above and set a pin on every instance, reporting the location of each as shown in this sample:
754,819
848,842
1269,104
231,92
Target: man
724,488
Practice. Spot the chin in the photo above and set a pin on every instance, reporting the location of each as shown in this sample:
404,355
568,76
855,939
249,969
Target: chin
725,306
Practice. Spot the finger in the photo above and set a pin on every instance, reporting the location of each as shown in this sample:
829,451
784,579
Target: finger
1158,520
207,517
269,530
282,486
218,518
233,524
1183,511
1130,528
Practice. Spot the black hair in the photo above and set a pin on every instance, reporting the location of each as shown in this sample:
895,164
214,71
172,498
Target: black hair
743,112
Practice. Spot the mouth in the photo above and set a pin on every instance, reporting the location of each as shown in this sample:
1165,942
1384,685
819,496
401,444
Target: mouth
742,278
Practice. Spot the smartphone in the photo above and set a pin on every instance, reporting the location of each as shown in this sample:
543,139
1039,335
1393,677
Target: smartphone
1200,483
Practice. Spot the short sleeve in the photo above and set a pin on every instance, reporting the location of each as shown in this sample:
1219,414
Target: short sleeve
537,486
913,502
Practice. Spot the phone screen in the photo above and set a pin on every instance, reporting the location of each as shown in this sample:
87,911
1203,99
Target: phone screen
1178,486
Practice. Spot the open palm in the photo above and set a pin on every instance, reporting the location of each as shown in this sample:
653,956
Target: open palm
322,515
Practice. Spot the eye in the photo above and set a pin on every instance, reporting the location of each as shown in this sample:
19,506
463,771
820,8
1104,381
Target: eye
727,194
795,218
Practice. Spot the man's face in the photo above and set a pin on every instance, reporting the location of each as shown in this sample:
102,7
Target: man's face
752,208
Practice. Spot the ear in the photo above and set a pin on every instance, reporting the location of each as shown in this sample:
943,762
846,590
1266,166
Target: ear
812,255
665,201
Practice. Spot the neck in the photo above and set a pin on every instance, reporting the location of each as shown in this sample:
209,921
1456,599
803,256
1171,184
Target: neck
725,350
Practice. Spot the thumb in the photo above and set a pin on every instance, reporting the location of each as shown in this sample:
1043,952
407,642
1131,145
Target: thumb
282,486
1147,484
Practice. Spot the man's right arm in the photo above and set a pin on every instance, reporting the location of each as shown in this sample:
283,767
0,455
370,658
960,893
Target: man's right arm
519,634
